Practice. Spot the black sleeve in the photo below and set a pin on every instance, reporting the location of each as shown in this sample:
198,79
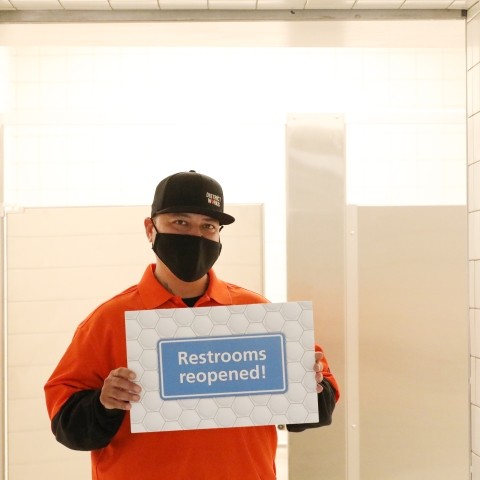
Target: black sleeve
326,405
83,423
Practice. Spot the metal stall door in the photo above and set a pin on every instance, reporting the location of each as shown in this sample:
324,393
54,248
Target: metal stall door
390,296
315,155
413,343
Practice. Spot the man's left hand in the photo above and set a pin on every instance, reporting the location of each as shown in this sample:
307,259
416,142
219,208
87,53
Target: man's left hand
318,369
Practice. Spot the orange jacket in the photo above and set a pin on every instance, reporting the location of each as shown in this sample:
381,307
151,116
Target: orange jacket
98,347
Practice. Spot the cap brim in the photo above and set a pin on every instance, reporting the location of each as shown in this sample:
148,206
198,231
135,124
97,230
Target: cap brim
223,218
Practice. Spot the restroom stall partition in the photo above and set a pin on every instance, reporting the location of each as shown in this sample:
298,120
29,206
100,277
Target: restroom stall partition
61,263
390,299
315,210
2,303
413,343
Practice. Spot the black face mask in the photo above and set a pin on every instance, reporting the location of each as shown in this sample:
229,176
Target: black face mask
188,257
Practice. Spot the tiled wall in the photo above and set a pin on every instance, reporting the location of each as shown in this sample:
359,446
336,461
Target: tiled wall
88,126
100,126
404,108
473,107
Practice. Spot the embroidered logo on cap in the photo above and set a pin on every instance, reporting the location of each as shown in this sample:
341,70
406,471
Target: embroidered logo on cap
214,199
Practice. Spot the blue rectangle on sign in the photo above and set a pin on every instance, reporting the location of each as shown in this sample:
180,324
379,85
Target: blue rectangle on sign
222,366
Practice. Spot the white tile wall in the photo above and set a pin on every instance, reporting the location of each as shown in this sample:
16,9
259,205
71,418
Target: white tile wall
474,234
473,88
475,337
475,431
37,4
476,392
387,95
92,124
239,4
476,284
475,466
473,181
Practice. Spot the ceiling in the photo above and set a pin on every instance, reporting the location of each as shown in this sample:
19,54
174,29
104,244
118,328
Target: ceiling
111,5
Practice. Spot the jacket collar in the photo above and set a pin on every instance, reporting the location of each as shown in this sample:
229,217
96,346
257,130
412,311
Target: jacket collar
154,295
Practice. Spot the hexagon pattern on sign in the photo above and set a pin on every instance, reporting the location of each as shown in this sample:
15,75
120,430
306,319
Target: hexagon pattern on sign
298,404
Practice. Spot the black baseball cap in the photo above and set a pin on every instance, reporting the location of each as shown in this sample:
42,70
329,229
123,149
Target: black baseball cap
190,192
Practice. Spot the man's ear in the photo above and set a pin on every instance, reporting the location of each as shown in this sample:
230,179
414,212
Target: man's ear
149,230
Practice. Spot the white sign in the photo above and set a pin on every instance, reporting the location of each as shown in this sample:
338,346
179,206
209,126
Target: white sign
226,366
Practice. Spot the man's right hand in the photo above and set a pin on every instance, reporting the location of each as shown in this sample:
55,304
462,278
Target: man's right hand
119,389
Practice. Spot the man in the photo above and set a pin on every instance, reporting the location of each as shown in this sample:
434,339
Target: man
91,391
